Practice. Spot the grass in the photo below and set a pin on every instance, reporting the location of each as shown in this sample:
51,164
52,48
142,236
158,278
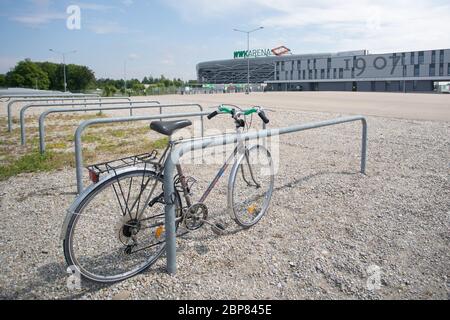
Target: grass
79,118
57,145
53,160
102,142
160,144
119,133
34,162
91,138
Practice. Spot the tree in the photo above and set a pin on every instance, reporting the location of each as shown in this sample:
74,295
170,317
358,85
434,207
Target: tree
29,75
2,80
109,91
52,69
79,78
138,88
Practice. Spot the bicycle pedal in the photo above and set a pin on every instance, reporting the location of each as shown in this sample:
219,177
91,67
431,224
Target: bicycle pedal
218,229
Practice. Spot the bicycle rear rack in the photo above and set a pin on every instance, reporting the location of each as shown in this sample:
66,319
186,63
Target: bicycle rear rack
96,170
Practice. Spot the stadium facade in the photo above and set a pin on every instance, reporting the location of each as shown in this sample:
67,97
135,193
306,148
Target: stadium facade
416,71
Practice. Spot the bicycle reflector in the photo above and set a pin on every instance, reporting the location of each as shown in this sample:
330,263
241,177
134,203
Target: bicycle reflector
252,209
159,232
94,176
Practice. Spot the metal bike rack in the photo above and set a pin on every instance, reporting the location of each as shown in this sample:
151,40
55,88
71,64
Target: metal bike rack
180,150
68,110
83,126
130,105
77,98
59,95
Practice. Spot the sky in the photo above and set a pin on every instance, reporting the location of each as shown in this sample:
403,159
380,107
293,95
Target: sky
155,37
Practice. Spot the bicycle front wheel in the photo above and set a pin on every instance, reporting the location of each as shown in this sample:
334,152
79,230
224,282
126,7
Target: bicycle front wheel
118,231
251,186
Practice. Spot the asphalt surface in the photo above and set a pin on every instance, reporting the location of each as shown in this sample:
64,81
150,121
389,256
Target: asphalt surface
427,107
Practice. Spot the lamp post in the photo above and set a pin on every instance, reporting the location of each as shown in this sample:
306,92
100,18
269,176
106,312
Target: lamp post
248,53
125,74
63,54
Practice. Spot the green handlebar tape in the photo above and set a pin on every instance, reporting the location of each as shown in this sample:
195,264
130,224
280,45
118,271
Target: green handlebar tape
250,111
225,110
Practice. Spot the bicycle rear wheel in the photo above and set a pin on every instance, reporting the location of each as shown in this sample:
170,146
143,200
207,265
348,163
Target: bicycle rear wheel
251,186
107,239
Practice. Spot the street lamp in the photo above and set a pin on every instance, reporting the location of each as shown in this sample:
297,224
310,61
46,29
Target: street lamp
125,75
248,53
63,54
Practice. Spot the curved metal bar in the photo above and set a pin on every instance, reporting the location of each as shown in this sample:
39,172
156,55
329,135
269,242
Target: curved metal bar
19,96
76,98
131,106
183,148
83,126
44,115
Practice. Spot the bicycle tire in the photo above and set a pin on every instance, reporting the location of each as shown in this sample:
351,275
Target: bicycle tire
238,208
73,260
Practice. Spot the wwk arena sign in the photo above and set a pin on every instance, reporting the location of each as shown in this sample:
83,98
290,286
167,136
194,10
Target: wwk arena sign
259,53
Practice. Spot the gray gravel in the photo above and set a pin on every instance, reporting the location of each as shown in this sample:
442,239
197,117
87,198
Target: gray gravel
327,228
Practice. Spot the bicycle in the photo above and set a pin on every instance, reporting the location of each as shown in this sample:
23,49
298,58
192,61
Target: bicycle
115,229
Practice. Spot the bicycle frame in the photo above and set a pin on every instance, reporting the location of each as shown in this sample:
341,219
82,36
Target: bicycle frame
214,182
239,149
184,185
159,168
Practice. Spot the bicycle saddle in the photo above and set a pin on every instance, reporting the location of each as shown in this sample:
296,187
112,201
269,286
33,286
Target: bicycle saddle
169,127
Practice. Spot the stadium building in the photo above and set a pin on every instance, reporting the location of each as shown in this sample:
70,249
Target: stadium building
417,71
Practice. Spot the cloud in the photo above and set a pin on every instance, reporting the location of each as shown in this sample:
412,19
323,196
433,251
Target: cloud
42,13
191,9
38,19
93,6
108,27
351,24
39,15
128,2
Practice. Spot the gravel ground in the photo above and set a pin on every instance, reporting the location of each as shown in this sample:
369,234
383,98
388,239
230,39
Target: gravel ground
328,228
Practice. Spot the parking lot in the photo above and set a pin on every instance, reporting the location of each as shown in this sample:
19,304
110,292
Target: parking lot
329,232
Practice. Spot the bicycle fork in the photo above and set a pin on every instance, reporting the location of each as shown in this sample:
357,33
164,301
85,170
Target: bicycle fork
257,185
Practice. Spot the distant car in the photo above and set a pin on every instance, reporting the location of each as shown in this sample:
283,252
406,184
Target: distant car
444,89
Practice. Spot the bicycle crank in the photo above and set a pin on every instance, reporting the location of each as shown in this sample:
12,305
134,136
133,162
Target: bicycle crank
196,216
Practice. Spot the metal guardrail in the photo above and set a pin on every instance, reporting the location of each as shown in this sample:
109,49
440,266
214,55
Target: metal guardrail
83,126
73,99
130,105
67,110
180,150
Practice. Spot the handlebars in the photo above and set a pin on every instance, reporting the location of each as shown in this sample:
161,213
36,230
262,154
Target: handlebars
236,114
212,115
